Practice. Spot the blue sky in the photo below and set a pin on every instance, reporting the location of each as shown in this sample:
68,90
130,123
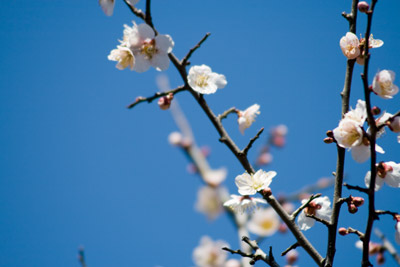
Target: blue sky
78,168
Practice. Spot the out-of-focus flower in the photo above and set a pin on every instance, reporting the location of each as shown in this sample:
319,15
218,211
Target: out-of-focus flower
108,5
215,177
210,201
383,85
249,184
278,135
374,249
387,172
395,124
319,207
123,56
247,117
209,253
350,45
175,138
232,263
264,158
397,233
292,256
204,81
240,204
264,222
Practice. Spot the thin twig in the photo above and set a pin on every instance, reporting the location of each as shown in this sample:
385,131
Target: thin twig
259,254
388,245
138,13
355,231
185,60
303,206
81,257
356,187
294,246
226,113
252,140
148,18
386,212
157,95
239,252
324,222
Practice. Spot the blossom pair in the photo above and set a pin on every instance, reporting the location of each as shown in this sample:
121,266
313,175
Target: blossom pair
140,49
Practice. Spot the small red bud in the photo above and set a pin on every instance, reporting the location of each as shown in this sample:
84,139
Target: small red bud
358,201
282,228
264,158
375,110
352,208
363,6
380,258
328,140
343,231
266,192
165,101
329,133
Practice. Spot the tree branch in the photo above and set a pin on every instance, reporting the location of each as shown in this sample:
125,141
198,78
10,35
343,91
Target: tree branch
226,113
252,140
294,246
137,12
156,95
356,187
302,207
185,60
324,222
388,246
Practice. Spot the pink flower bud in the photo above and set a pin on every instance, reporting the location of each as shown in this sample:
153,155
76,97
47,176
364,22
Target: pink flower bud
352,208
266,192
279,141
363,6
329,133
358,201
395,124
205,150
165,101
375,110
282,228
264,158
328,140
343,231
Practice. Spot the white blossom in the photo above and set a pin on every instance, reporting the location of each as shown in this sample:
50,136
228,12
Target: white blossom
215,177
348,134
374,43
232,263
390,175
383,85
247,117
319,207
362,152
264,222
249,184
240,204
209,253
123,56
210,201
108,5
204,81
350,45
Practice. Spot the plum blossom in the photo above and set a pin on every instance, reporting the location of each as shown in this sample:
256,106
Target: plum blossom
123,56
108,5
247,117
209,253
319,207
215,177
264,222
250,184
240,204
210,201
383,86
387,172
350,45
204,81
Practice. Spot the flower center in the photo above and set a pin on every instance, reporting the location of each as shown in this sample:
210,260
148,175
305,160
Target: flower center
202,80
312,208
350,48
149,48
266,225
386,85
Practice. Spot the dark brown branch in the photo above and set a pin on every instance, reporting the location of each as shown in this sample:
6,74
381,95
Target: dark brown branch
294,246
302,207
386,212
148,17
259,254
81,257
373,130
345,94
157,95
356,187
185,60
388,246
226,113
252,140
239,252
137,12
324,222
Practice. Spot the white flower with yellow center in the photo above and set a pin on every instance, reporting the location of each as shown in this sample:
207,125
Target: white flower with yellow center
209,253
249,184
247,117
383,85
204,81
350,45
264,222
319,207
123,56
387,172
240,204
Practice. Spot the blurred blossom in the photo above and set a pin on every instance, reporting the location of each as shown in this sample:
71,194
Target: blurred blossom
388,172
319,207
249,184
210,201
397,233
204,81
175,138
232,263
209,253
264,158
288,207
215,177
240,204
292,256
247,117
264,222
278,135
350,45
383,86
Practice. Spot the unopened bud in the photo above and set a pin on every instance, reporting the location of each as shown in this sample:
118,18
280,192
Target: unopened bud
343,231
380,258
264,158
358,201
282,228
266,192
352,208
375,110
383,168
363,6
205,150
279,140
329,133
292,256
397,217
394,124
328,140
165,101
191,168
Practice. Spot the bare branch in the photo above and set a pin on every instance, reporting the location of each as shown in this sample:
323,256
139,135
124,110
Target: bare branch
302,207
354,231
324,222
294,246
259,254
252,140
386,212
185,60
157,95
239,252
356,187
148,18
388,245
137,12
226,113
81,257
